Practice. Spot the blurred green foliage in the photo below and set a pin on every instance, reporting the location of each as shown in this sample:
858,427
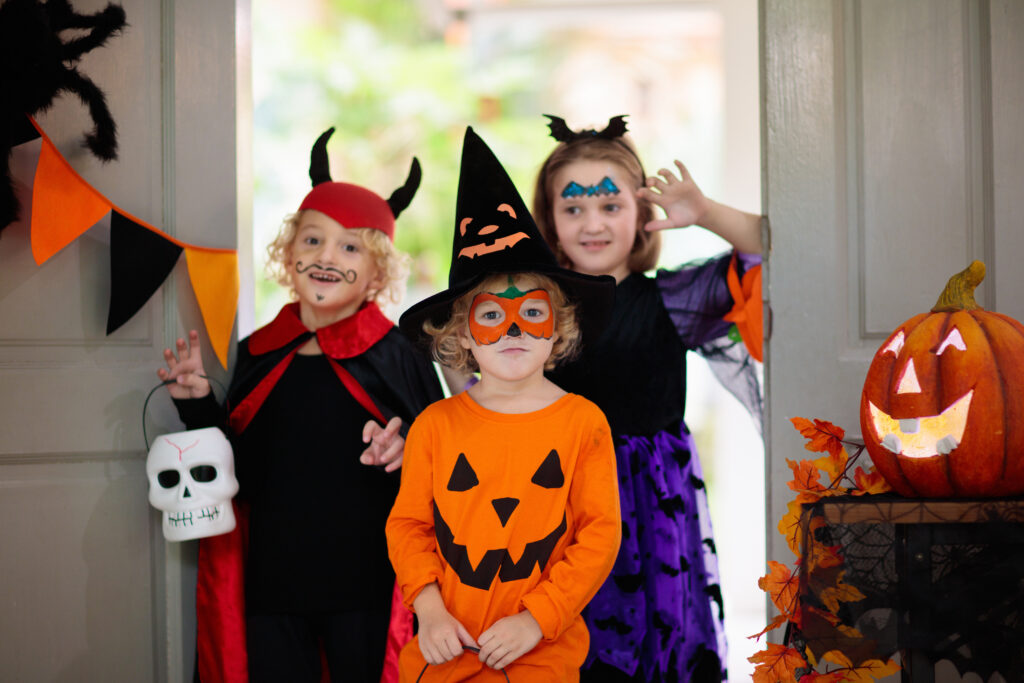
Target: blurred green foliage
393,89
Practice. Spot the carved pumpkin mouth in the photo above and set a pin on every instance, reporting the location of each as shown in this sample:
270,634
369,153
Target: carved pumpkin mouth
923,437
495,562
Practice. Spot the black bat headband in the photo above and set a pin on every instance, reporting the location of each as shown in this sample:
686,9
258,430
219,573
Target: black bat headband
614,131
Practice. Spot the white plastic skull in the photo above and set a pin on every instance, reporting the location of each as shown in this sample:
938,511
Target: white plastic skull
192,480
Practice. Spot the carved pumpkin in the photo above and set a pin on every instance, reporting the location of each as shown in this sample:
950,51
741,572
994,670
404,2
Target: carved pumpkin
942,410
469,550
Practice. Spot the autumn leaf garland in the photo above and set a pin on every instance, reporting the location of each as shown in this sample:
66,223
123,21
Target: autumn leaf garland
813,634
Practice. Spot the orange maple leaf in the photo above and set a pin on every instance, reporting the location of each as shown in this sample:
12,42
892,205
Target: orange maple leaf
806,476
868,671
778,621
776,664
781,585
841,592
831,677
822,436
791,525
869,482
872,670
833,465
823,556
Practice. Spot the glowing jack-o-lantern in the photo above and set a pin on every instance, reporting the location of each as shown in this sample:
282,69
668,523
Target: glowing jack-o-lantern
942,411
493,238
517,505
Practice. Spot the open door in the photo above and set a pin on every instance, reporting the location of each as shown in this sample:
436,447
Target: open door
893,154
90,589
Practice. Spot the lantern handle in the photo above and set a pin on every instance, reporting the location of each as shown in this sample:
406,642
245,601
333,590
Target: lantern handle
145,403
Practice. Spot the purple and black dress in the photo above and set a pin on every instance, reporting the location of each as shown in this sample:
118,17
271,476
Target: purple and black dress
658,617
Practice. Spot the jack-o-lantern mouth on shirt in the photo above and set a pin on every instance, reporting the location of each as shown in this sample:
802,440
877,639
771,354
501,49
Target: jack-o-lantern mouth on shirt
922,437
498,562
502,240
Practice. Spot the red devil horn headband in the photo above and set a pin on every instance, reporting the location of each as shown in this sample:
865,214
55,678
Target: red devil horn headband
320,172
319,168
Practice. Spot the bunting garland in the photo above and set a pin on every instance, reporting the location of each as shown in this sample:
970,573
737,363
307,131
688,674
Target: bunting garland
65,206
140,261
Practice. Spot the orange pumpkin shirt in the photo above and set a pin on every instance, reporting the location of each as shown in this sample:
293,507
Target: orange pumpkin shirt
507,512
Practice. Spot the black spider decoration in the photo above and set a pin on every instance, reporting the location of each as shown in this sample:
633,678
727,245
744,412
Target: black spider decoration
37,65
560,131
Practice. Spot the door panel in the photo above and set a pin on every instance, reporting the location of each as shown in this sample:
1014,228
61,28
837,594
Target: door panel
91,590
893,152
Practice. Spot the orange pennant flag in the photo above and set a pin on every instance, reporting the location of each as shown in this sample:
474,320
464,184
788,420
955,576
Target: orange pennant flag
63,204
214,277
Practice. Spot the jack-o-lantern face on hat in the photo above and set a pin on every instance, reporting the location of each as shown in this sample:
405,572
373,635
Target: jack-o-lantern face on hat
517,507
499,233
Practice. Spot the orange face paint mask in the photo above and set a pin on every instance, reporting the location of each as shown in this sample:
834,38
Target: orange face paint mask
516,313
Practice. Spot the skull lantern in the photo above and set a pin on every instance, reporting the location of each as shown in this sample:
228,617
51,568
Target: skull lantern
192,480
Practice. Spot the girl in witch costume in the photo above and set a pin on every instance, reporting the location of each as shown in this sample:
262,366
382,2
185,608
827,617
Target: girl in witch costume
308,391
659,615
507,518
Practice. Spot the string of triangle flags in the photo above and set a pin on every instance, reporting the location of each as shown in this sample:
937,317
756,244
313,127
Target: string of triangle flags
65,206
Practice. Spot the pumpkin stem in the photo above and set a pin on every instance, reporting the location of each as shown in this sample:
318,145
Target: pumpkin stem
959,292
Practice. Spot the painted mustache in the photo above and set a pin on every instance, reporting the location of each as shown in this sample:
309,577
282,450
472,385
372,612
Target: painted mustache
348,276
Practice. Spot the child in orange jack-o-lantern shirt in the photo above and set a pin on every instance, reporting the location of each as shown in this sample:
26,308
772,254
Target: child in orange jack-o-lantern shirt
507,519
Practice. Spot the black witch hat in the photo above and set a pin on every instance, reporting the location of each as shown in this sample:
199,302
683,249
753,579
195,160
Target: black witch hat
495,233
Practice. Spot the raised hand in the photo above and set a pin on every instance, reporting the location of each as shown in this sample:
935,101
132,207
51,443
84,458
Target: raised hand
186,369
508,639
680,197
386,445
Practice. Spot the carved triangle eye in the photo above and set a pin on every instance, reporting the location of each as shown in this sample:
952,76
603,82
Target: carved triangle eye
549,474
463,477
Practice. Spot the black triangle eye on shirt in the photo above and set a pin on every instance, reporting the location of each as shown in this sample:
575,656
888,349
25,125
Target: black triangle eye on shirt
549,475
463,477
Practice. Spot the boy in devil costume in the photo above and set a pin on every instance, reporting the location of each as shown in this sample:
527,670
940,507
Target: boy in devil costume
308,391
507,521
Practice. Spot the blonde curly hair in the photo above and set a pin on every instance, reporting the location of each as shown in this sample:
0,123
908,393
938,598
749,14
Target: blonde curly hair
393,263
447,350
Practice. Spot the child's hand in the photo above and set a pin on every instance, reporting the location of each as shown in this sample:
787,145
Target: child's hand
186,369
508,639
683,202
386,445
442,637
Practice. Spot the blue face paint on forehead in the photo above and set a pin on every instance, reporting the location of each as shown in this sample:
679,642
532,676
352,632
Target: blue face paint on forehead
605,187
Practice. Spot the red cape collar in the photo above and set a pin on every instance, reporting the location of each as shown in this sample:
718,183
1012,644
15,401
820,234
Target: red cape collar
346,338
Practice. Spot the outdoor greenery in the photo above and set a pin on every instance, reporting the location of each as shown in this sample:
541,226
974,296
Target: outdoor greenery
393,89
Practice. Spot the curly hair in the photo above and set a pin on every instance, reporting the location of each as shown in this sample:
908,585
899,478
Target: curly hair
393,263
620,151
445,345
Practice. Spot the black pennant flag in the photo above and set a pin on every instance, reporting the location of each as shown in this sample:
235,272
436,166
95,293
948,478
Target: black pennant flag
140,261
22,131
